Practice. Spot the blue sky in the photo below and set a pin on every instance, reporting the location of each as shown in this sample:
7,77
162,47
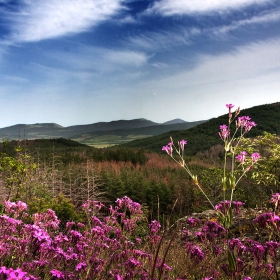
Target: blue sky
85,61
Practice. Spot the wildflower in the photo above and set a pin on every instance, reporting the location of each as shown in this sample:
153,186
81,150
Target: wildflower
57,273
212,230
258,251
182,144
192,221
271,247
133,263
217,250
10,206
246,123
238,245
168,148
229,106
249,125
241,157
154,226
237,205
263,219
80,266
197,253
241,121
255,157
223,206
224,133
275,200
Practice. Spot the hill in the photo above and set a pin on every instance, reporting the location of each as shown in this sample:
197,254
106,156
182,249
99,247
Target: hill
97,134
120,136
205,135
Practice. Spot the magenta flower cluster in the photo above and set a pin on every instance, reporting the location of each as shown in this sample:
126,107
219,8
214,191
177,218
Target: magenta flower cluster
107,247
103,249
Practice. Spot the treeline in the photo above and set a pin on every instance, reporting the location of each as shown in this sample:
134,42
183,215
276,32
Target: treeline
70,151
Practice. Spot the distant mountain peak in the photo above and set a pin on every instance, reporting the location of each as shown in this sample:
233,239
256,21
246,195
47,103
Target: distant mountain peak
174,121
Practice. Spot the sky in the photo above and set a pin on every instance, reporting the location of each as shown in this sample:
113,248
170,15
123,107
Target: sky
85,61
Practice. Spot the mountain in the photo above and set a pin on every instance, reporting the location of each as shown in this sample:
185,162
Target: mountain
205,135
174,121
98,134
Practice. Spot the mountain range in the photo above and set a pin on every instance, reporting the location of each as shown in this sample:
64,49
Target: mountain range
143,133
97,134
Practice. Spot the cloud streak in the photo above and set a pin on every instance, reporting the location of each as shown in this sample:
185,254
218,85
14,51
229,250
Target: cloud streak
186,7
39,20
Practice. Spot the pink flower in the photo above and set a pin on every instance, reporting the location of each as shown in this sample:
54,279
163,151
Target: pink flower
255,157
224,132
182,144
241,157
168,148
229,106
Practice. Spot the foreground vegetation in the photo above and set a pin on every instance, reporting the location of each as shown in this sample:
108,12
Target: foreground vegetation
74,227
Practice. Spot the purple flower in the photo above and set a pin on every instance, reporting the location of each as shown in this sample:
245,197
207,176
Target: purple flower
237,205
272,247
255,157
197,253
57,273
224,133
223,206
80,266
154,226
182,144
168,148
245,123
263,219
241,157
229,106
258,251
192,221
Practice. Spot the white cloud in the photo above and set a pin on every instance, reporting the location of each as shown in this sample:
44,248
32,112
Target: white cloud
41,19
172,7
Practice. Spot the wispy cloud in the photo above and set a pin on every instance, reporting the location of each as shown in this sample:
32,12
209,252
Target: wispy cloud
40,19
184,35
179,7
267,17
99,60
163,39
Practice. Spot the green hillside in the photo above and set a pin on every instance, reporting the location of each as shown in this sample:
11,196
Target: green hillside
205,135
